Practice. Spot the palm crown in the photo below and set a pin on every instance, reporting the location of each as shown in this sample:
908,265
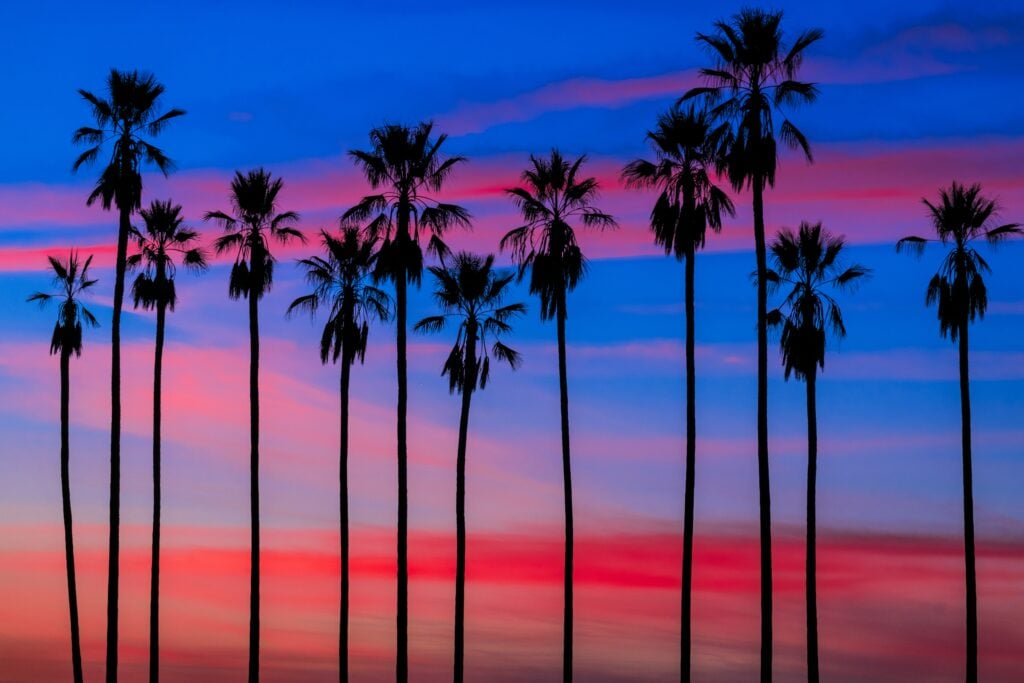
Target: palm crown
340,282
72,279
471,292
253,223
407,166
130,112
546,243
808,263
689,202
164,236
754,77
962,217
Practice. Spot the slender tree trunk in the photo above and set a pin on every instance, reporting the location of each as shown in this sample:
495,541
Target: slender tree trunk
764,487
691,458
971,587
402,653
563,390
460,504
65,483
114,545
154,576
812,547
346,370
254,485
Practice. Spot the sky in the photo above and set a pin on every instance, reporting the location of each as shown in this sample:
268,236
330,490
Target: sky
913,95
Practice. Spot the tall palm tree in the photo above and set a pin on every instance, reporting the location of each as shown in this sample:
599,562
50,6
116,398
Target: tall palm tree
807,263
471,294
130,113
753,81
553,197
72,279
688,204
164,239
961,218
253,223
407,166
340,281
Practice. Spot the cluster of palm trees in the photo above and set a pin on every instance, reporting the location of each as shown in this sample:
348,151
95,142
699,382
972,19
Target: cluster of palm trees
727,130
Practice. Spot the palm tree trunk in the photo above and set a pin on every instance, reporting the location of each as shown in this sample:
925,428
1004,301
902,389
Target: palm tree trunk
402,617
691,457
254,485
154,576
971,587
346,369
764,488
812,571
114,544
65,483
460,509
563,390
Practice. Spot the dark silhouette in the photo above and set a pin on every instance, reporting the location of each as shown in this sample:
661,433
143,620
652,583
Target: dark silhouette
688,204
407,166
67,339
130,112
340,283
546,246
470,292
164,237
807,264
962,216
754,78
248,232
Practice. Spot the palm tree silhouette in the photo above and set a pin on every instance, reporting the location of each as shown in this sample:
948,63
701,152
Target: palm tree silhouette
546,246
340,283
254,221
688,204
407,166
807,263
962,216
471,293
72,279
130,111
752,80
165,236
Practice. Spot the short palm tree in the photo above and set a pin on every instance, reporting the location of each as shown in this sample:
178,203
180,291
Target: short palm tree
470,293
72,279
807,264
554,196
753,80
961,218
408,168
130,112
254,222
340,281
688,204
164,238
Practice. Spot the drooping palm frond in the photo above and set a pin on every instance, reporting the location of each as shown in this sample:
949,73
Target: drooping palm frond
470,293
72,280
164,237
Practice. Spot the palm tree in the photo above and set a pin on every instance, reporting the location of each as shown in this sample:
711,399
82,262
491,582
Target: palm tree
545,245
753,80
72,281
470,292
340,283
807,263
688,204
250,227
165,236
130,111
962,216
407,166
